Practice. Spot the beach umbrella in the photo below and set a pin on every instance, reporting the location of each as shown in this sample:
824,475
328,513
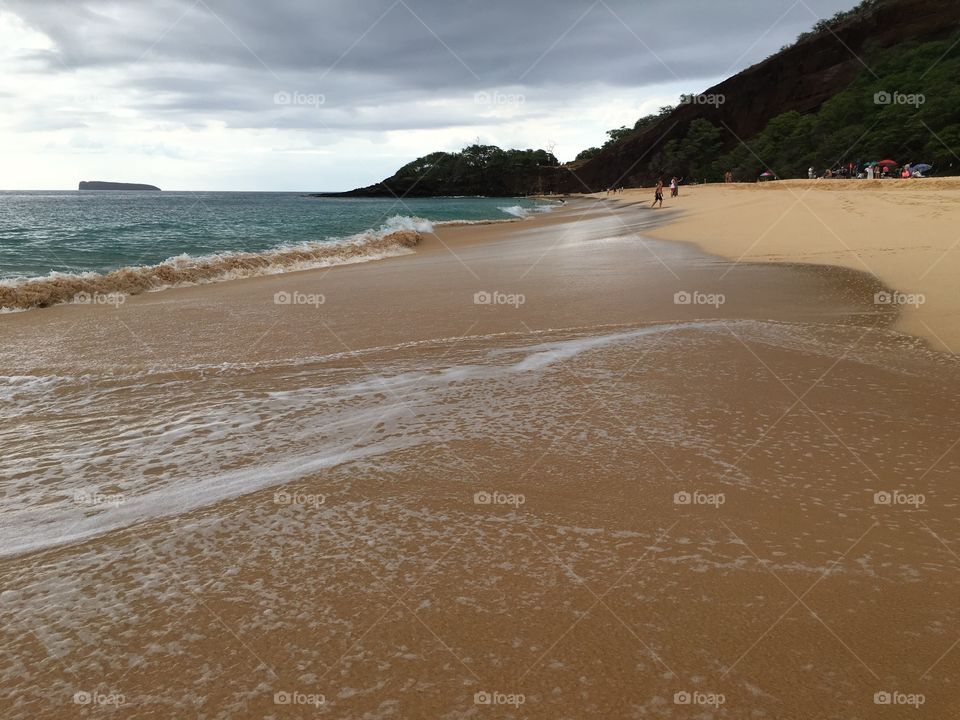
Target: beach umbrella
921,167
887,162
767,174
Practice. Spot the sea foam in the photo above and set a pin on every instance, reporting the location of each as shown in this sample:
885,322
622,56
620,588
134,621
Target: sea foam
522,212
203,443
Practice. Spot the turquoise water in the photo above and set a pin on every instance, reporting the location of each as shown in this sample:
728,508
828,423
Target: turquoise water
75,232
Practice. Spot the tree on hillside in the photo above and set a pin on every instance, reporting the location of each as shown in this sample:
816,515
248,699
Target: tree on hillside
692,156
649,120
617,134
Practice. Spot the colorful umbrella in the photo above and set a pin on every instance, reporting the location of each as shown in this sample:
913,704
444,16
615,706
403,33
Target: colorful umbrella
887,162
767,174
921,167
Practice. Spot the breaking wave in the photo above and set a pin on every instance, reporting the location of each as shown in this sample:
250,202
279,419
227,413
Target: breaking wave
398,236
525,212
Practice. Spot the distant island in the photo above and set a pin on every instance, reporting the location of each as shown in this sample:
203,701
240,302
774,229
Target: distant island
102,185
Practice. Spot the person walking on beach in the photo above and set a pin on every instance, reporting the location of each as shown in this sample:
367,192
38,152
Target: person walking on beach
658,194
673,187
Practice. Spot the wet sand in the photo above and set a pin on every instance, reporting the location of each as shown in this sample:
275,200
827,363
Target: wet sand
625,476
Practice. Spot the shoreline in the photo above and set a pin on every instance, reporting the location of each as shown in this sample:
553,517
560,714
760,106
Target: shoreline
689,220
582,244
900,231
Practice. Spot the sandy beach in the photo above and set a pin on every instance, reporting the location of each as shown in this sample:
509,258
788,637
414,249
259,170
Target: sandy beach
904,232
348,371
561,468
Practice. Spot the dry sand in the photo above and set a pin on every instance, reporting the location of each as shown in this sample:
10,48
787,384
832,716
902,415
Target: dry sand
904,232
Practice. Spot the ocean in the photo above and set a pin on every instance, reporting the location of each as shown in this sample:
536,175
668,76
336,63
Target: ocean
48,240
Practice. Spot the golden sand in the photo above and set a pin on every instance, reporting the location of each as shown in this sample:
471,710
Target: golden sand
904,232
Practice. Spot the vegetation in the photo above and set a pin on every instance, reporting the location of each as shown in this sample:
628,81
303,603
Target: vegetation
648,121
476,170
587,154
692,156
909,112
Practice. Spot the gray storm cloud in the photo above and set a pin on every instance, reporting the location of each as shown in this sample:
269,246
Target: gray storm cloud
228,60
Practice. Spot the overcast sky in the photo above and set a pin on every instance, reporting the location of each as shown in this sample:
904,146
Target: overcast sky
333,94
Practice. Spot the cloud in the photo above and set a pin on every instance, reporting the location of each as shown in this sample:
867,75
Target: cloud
423,43
382,68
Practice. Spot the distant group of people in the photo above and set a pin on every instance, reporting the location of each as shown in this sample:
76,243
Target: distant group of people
871,171
846,173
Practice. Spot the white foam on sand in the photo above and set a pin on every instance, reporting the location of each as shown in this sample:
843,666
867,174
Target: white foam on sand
100,463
